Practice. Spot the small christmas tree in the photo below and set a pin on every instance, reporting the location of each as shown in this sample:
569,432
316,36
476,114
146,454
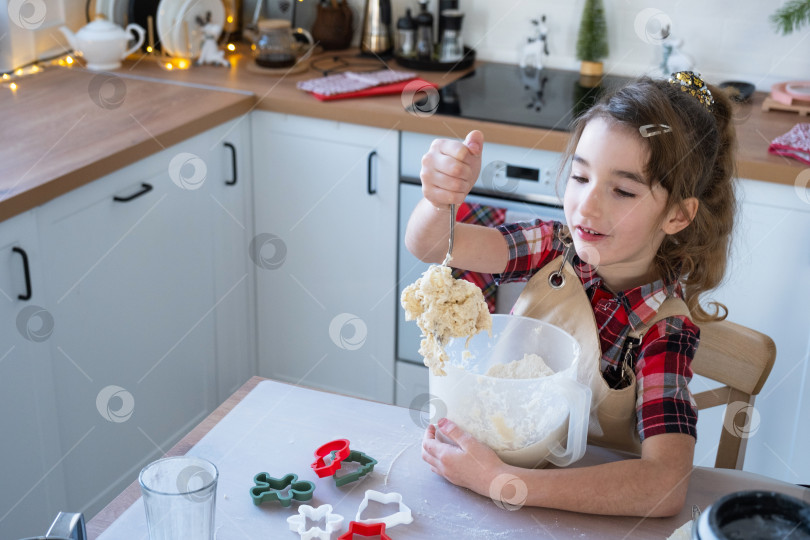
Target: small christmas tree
791,16
592,41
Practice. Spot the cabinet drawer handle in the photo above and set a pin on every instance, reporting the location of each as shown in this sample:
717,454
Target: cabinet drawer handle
145,188
27,271
233,163
369,187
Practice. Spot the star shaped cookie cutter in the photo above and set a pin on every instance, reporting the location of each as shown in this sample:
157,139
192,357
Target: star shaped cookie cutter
366,466
298,522
401,517
329,457
268,488
365,530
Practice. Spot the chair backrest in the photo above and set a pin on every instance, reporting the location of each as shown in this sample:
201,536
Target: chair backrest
741,359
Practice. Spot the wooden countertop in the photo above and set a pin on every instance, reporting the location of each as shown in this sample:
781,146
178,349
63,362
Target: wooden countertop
258,429
65,127
63,136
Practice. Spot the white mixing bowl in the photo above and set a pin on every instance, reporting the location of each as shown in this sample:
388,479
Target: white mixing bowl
527,422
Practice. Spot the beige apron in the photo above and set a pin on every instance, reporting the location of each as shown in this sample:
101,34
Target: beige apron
613,412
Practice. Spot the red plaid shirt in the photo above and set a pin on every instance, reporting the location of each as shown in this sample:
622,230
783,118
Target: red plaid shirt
662,365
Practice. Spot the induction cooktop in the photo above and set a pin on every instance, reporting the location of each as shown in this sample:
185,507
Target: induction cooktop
506,93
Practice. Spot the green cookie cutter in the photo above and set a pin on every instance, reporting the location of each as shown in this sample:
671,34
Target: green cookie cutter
366,466
268,488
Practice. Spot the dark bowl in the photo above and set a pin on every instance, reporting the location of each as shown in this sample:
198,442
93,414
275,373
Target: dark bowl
739,91
760,515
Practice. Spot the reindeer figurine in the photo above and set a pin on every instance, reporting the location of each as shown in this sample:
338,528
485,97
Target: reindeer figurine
536,46
210,53
672,58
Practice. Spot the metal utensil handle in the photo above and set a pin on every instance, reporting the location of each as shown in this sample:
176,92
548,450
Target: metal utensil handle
449,255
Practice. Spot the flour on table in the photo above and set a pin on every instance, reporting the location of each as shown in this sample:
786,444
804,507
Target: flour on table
444,308
531,366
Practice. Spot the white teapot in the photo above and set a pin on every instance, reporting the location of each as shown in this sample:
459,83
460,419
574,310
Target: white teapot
103,44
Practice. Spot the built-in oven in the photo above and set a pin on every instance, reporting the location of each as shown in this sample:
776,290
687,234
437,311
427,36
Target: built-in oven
521,181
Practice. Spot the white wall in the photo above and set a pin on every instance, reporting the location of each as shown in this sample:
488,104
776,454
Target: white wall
727,39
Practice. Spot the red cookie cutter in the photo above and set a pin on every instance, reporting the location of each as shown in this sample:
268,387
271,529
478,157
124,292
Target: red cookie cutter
338,449
357,530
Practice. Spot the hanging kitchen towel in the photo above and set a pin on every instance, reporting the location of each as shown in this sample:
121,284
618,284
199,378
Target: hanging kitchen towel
489,216
795,143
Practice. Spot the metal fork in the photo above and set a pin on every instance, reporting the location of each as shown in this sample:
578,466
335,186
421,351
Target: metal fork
452,234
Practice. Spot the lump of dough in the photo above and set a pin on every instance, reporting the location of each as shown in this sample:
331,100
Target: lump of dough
531,366
444,308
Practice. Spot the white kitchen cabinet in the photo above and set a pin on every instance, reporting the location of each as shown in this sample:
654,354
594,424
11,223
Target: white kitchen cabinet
131,283
412,389
32,487
325,246
766,289
230,199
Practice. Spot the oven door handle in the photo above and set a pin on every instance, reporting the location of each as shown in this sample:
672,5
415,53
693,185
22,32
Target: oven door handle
372,189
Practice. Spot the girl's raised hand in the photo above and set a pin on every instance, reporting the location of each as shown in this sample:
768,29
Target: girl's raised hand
467,462
450,168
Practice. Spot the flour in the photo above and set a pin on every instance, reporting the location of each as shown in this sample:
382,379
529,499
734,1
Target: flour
444,308
511,407
531,366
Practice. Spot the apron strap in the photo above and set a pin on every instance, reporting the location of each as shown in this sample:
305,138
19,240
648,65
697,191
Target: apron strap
670,307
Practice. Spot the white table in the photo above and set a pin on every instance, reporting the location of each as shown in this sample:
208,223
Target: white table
276,427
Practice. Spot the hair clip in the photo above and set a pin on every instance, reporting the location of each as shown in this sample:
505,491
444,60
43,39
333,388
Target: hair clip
651,130
692,83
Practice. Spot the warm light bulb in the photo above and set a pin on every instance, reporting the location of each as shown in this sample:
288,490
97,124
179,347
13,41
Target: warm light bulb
169,65
148,49
6,77
13,86
35,69
18,72
231,47
69,60
230,18
182,64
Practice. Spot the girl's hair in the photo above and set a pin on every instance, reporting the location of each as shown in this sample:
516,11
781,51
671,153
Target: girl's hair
694,159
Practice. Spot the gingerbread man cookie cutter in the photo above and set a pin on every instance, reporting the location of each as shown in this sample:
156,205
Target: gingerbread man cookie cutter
267,488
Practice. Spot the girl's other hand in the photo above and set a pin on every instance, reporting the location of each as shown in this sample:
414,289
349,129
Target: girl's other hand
466,462
450,168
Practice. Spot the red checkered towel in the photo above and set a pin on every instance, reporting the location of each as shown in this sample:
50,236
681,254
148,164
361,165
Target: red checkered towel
490,216
795,143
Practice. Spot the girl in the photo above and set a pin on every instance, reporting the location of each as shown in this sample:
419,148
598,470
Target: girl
649,207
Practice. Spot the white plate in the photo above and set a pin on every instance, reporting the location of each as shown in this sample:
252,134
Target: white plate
114,10
117,12
187,18
166,16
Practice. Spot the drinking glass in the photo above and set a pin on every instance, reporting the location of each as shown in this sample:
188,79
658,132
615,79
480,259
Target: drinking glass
179,495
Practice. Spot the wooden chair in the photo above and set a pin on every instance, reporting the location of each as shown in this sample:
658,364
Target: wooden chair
741,359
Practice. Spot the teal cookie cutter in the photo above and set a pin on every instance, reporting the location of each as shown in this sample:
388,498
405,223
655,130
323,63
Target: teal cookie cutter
366,466
268,488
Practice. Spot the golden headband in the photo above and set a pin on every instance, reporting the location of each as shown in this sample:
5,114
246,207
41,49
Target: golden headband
689,82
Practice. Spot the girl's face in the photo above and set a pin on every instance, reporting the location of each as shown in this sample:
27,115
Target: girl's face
615,217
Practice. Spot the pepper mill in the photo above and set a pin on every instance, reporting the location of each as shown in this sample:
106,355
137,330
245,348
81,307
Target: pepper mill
424,32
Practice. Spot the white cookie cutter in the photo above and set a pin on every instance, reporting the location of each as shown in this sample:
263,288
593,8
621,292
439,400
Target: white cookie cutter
402,517
298,522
